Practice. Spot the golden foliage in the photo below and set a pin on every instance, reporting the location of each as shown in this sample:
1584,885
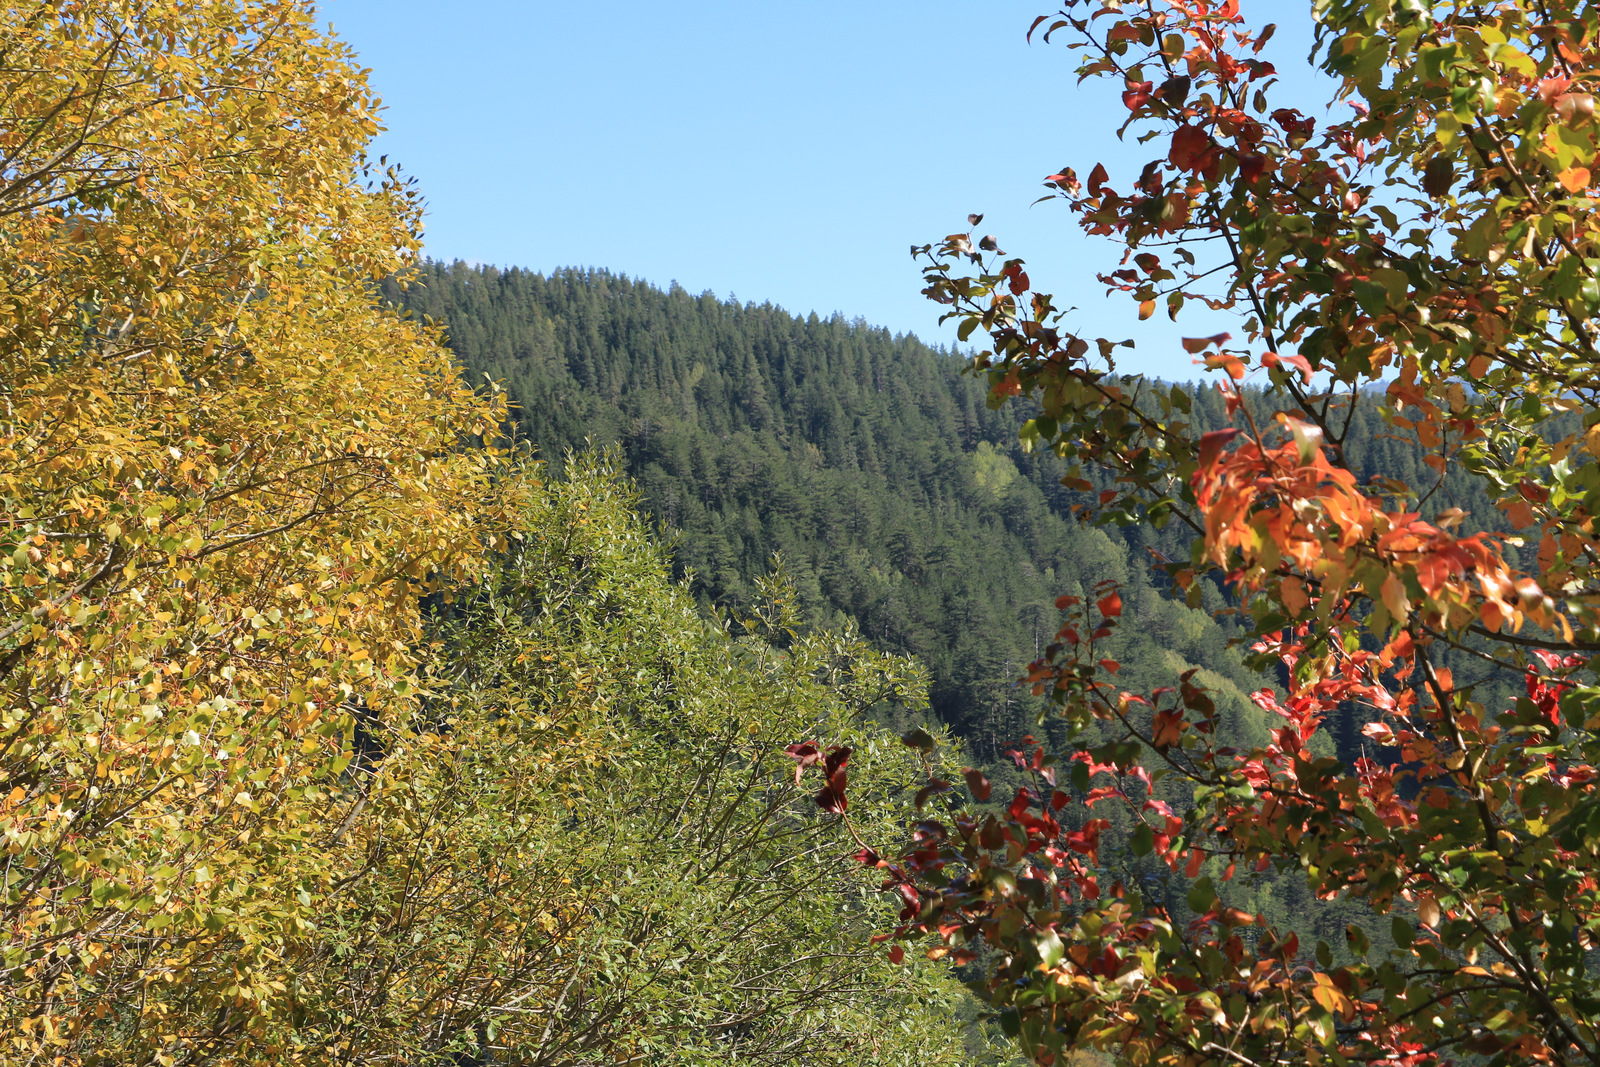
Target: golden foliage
225,477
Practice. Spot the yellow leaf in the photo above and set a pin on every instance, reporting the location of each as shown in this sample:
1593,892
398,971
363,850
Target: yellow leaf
1327,994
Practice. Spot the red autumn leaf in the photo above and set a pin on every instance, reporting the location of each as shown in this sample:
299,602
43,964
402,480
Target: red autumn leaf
937,785
912,900
977,783
1021,803
1520,514
831,798
1190,148
1228,362
1212,444
1067,179
1110,605
804,755
831,801
1550,88
1137,94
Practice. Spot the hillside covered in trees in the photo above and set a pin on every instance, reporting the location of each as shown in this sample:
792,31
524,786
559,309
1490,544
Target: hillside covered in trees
897,502
869,464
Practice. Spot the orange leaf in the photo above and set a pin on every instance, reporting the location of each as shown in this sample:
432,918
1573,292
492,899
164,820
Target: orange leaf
1292,591
1519,513
1232,364
1166,728
1146,309
1111,605
1212,444
1330,997
1575,179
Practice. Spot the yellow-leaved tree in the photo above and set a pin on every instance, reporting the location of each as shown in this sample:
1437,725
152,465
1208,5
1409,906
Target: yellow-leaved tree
225,477
258,807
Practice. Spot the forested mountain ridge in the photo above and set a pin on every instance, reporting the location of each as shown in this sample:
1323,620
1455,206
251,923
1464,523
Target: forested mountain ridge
868,463
896,499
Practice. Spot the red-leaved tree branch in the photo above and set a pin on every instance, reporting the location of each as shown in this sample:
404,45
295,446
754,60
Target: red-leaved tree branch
1432,252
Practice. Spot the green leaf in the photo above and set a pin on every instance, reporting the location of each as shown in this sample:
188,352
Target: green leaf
1051,951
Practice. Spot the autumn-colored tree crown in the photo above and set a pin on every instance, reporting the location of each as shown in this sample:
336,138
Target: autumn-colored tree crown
1429,246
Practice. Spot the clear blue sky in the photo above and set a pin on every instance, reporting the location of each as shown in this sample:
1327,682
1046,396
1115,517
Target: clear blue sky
783,153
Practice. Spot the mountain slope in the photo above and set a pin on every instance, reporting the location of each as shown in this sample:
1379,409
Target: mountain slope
867,462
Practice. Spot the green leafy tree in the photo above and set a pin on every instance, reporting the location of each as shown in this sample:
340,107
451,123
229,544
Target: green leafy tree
629,808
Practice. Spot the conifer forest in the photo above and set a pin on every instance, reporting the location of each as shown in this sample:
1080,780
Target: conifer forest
431,664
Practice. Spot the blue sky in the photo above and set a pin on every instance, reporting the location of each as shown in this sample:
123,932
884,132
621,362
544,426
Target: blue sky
783,153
